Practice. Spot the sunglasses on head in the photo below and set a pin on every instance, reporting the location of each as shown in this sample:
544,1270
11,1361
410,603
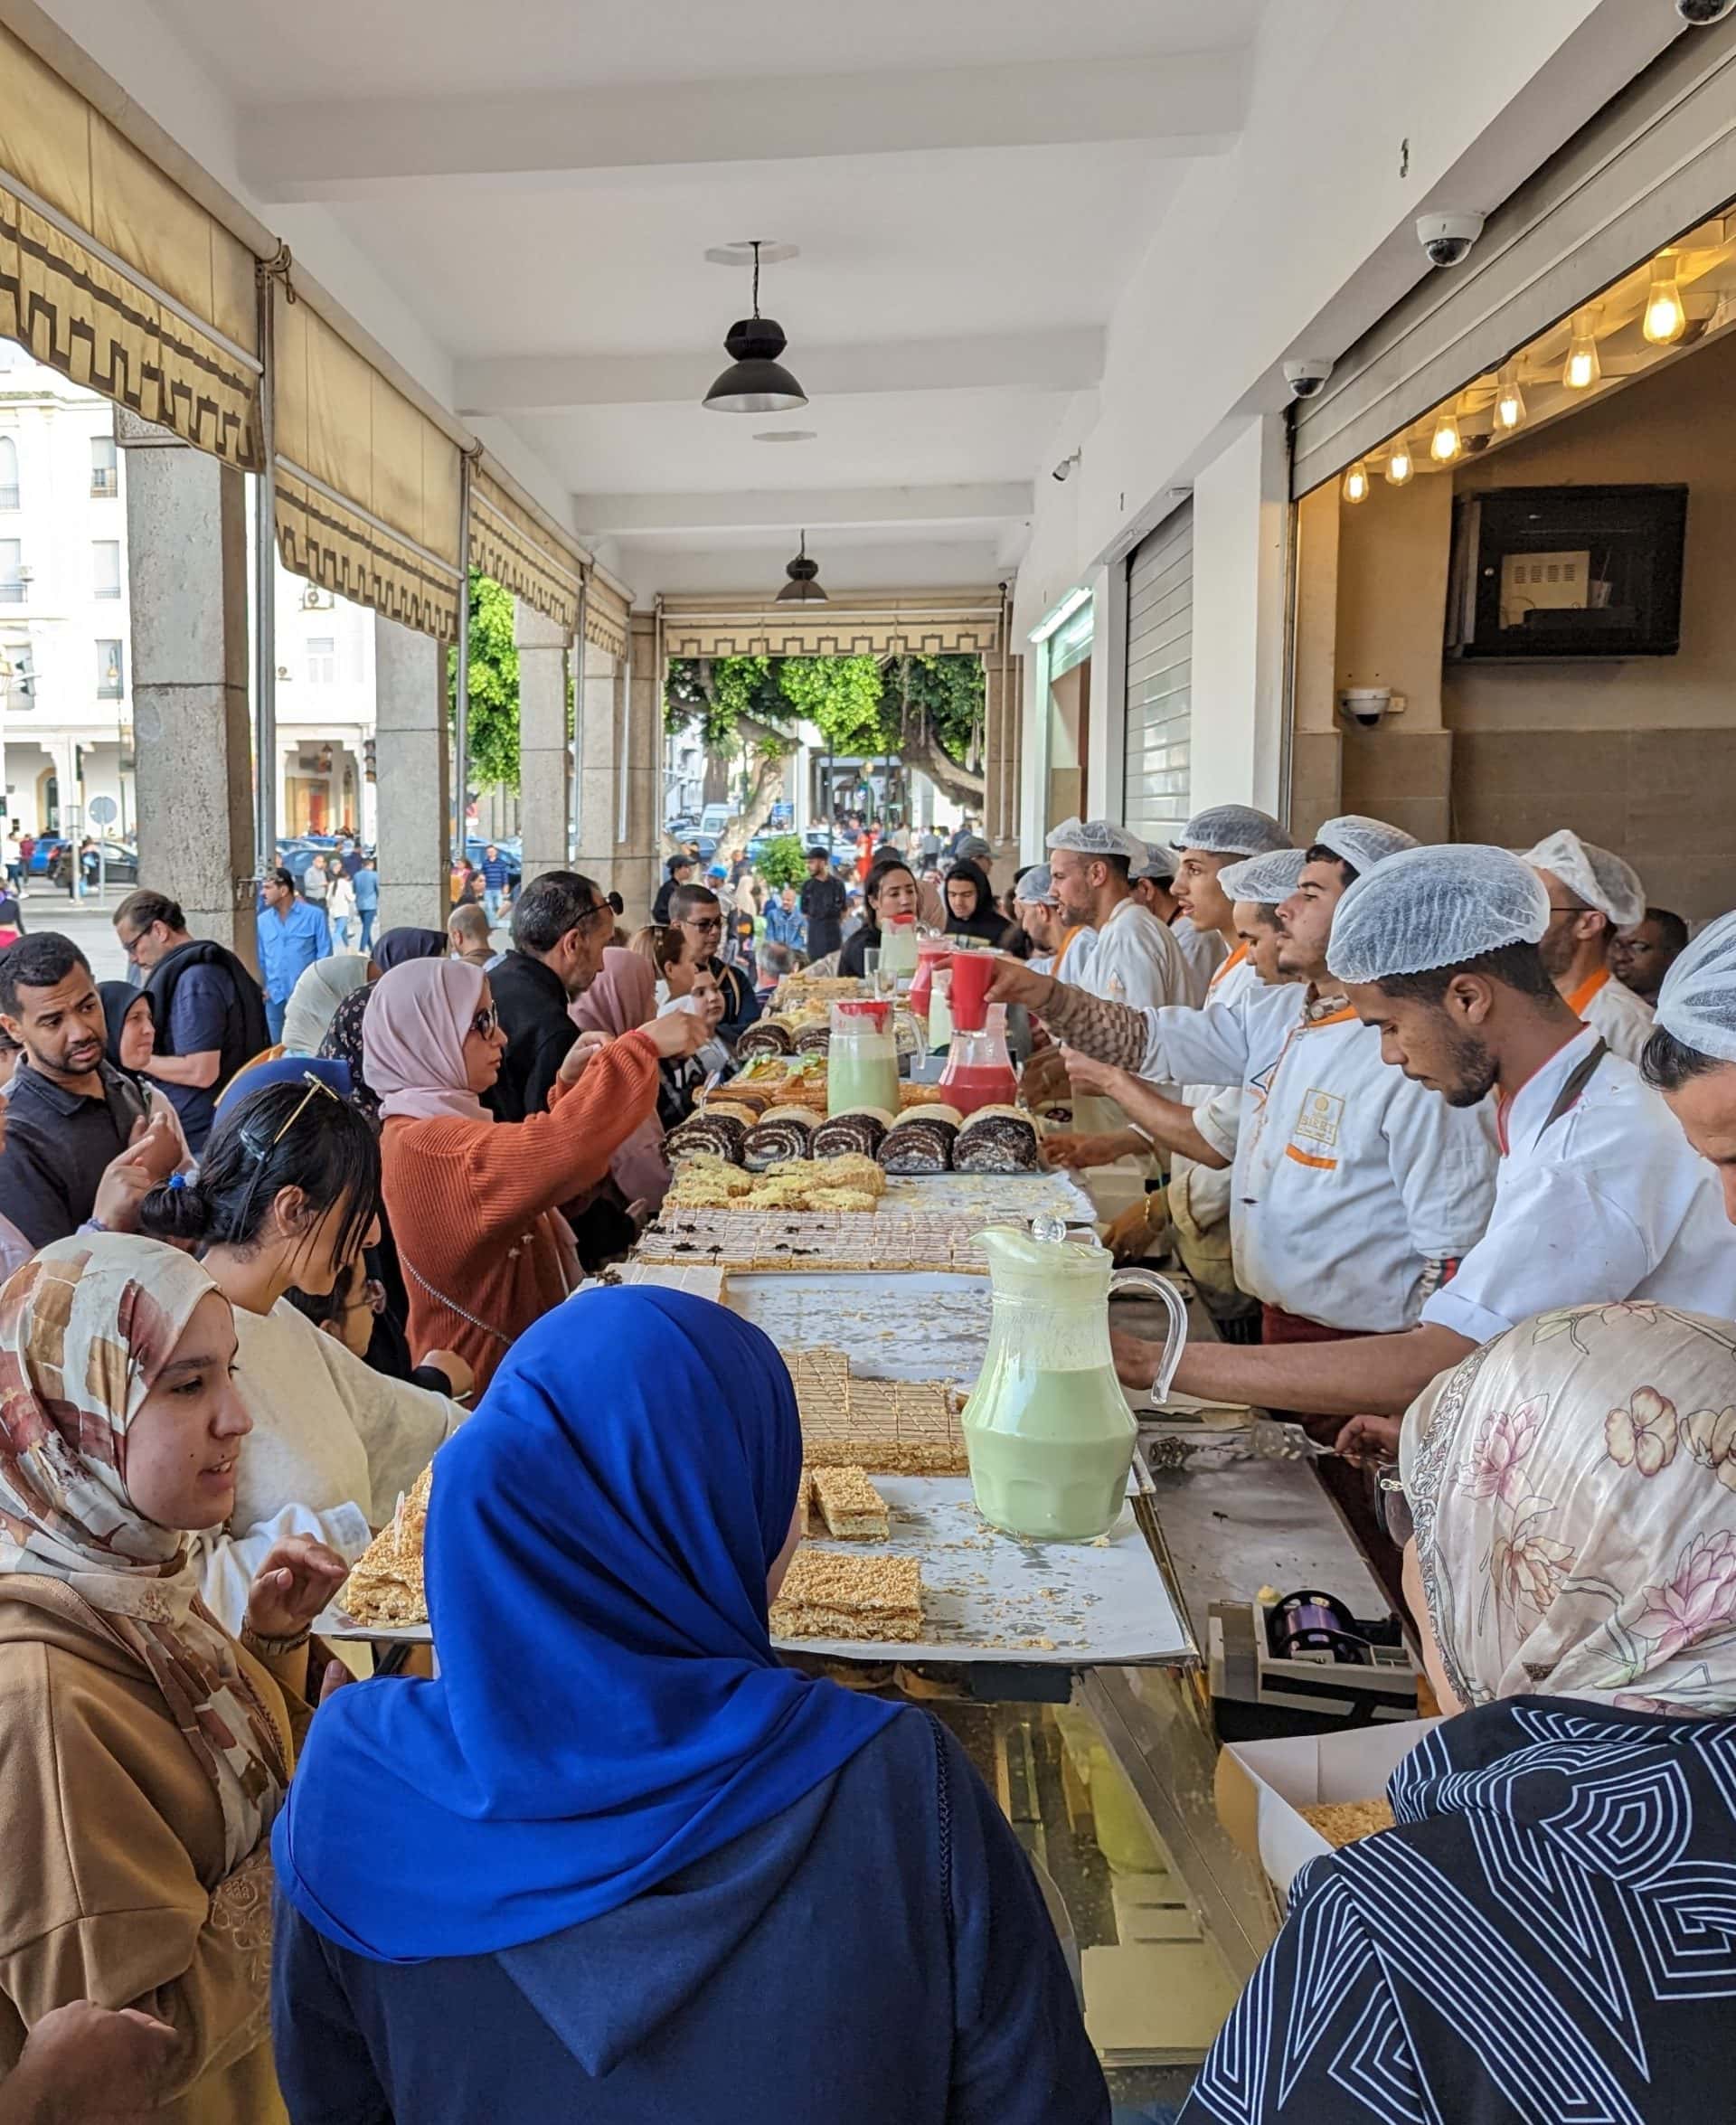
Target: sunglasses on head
315,1084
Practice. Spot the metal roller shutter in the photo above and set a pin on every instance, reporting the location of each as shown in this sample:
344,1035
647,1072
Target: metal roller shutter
1156,793
1656,160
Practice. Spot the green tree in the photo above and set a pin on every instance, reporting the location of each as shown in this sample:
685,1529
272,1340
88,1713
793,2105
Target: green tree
494,686
927,710
783,861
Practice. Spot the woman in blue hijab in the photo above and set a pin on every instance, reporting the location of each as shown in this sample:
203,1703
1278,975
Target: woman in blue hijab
617,1863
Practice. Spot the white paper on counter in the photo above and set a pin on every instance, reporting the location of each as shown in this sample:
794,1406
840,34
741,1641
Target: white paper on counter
985,1597
923,1325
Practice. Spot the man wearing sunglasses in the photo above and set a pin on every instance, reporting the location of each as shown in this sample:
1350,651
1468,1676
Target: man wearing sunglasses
561,925
697,913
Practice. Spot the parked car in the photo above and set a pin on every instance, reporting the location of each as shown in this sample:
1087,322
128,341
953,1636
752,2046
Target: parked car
48,846
120,864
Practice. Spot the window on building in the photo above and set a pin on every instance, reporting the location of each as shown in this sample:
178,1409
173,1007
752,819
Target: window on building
111,672
8,473
11,572
105,471
104,560
322,660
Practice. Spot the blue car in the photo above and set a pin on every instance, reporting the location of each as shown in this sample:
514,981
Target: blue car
511,851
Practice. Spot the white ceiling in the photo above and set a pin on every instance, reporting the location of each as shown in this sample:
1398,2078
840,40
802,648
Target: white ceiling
970,183
356,48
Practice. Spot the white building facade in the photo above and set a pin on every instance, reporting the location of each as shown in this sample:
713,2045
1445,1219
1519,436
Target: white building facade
66,721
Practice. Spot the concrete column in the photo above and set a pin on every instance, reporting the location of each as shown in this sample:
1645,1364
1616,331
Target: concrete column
544,757
1242,510
187,558
637,867
414,795
621,754
1003,767
600,746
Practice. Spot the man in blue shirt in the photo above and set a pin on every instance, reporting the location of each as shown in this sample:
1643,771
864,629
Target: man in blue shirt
209,1010
496,876
366,883
785,921
293,934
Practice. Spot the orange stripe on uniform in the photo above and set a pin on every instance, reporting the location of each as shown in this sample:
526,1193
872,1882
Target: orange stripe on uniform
1309,1158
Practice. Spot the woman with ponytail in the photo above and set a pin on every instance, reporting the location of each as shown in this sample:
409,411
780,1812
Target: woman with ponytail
288,1195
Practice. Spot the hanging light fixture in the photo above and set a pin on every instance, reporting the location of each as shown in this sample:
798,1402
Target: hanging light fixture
1667,316
755,382
1356,482
1446,443
1584,363
804,585
1509,401
1399,466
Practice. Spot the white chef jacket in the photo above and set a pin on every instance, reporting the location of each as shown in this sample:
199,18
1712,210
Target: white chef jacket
1611,1007
1217,1108
1349,1180
1135,961
1610,1203
1203,953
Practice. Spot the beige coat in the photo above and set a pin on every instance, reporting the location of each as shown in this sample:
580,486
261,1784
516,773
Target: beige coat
114,1888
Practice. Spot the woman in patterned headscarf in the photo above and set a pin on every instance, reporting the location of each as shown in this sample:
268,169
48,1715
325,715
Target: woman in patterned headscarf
143,1752
1549,1930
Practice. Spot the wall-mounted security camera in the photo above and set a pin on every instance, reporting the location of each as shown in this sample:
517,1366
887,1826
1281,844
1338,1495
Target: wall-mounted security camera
1369,705
1306,380
1447,238
1064,470
1702,13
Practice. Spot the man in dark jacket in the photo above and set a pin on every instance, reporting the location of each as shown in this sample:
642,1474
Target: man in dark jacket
698,913
677,871
209,1009
561,925
823,901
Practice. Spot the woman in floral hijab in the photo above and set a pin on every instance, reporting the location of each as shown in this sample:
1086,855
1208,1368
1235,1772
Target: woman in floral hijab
145,1753
1573,1488
1549,1930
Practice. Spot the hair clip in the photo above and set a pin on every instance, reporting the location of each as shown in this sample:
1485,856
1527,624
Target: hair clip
177,1180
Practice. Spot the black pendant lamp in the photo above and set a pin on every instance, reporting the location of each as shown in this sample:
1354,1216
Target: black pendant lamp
755,382
804,585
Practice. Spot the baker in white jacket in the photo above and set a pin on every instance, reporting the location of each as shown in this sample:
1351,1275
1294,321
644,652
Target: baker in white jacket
1592,893
1353,1195
1599,1194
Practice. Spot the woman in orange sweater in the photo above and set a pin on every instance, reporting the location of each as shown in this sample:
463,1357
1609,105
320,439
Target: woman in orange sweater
474,1202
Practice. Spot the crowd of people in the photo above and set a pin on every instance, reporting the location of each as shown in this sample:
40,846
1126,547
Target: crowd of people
1445,1136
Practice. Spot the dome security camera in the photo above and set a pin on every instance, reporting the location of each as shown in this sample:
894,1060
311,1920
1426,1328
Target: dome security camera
1702,13
1307,378
1447,238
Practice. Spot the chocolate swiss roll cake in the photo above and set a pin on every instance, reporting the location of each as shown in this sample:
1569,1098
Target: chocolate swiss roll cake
766,1036
860,1130
998,1140
920,1142
723,1136
786,1132
814,1040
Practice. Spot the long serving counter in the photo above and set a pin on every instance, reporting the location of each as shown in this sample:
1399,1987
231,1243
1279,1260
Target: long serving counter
1104,1763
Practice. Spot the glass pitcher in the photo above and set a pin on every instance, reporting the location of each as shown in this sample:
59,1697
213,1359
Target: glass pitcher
1047,1428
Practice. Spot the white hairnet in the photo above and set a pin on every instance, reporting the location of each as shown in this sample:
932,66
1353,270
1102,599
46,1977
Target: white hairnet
1234,830
1426,908
1267,879
1160,861
1598,876
1697,1002
1364,842
1097,838
1036,888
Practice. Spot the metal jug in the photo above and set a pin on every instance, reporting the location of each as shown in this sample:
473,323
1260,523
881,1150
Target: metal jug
1047,1428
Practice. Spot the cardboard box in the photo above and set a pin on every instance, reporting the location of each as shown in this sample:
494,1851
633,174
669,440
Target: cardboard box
1261,1785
